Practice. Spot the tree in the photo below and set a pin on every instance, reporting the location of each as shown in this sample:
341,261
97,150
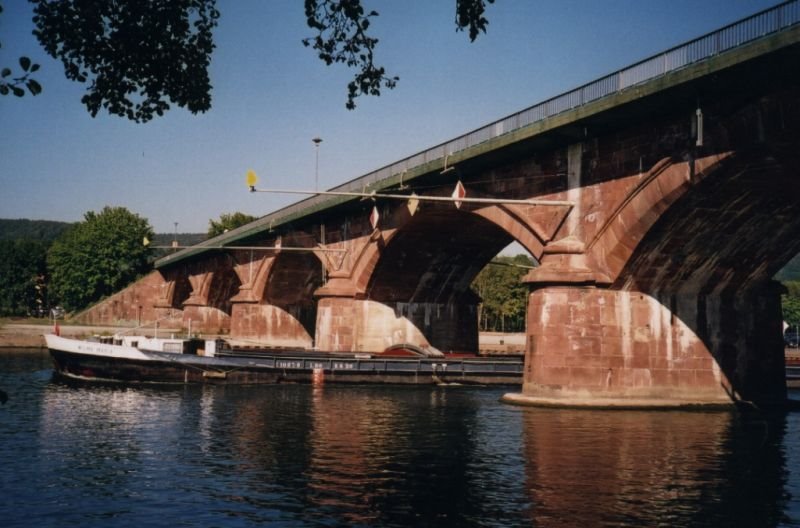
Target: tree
227,222
98,256
11,84
137,54
22,272
791,303
504,295
140,55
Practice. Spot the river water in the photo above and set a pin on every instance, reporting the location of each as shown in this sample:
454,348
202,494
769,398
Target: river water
298,455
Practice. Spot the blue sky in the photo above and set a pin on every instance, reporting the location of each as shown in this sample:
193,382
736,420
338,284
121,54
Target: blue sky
271,96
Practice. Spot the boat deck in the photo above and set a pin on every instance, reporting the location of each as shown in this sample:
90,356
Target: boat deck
112,362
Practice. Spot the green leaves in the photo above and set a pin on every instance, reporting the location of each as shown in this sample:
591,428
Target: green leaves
469,14
98,256
341,27
342,38
22,272
14,85
504,296
227,222
17,85
138,57
33,87
28,66
791,302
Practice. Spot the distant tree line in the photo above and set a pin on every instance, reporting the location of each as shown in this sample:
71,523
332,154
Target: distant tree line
23,229
23,273
23,264
74,265
44,264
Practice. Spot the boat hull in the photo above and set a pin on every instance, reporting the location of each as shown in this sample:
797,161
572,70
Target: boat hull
112,363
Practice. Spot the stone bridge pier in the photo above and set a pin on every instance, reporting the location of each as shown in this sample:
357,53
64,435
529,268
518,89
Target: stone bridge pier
590,346
662,296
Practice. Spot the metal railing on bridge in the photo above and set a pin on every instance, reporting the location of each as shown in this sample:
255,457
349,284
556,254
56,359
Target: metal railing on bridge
754,27
729,37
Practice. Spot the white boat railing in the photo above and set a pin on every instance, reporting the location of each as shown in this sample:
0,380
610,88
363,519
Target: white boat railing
118,334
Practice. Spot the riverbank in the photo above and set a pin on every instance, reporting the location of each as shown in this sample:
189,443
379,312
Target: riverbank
16,335
29,333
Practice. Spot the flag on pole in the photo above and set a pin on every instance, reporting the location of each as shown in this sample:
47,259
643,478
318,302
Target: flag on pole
252,179
374,217
412,204
458,193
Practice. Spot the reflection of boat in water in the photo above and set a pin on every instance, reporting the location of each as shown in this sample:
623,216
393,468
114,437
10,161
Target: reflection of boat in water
141,359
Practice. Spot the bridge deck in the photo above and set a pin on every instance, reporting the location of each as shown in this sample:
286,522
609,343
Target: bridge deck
758,35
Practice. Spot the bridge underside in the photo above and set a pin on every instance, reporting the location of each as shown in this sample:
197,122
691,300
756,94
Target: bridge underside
419,291
693,317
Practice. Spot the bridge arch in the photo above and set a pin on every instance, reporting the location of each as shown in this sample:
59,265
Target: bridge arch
174,290
434,257
736,228
293,279
709,261
689,310
415,285
213,284
530,226
275,305
664,184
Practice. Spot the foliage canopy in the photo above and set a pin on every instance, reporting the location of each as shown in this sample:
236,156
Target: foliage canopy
228,221
140,56
504,295
136,54
98,256
791,303
22,276
11,83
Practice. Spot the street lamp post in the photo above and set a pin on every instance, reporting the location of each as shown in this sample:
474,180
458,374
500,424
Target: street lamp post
316,141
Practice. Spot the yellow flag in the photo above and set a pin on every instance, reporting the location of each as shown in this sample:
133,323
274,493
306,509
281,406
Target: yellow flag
252,179
145,242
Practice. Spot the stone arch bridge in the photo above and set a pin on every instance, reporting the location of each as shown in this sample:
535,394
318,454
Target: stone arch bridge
680,183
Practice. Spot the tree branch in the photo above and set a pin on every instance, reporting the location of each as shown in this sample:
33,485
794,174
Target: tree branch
341,27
